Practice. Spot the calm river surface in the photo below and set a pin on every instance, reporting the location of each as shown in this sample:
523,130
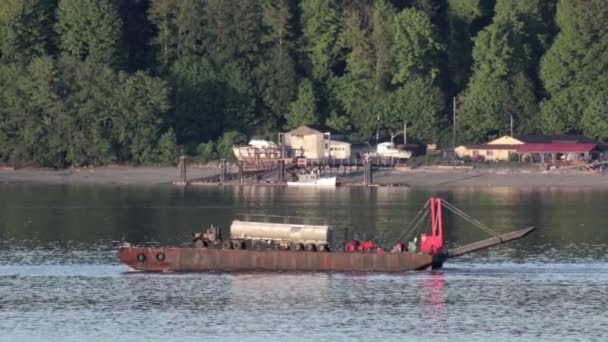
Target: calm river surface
60,280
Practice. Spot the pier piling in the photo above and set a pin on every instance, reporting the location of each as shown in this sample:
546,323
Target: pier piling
222,171
182,170
367,173
241,175
281,171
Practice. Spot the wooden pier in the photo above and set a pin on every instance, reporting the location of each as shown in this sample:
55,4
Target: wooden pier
275,172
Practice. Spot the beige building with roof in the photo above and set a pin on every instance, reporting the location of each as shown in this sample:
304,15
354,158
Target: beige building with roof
315,142
497,149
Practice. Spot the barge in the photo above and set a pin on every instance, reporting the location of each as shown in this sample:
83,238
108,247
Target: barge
287,247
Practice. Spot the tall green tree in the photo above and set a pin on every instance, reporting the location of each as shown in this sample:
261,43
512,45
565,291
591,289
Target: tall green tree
462,15
163,14
90,30
354,89
320,22
139,104
190,27
416,99
276,74
179,27
25,29
303,111
573,70
138,33
417,104
232,29
416,46
32,114
366,39
499,89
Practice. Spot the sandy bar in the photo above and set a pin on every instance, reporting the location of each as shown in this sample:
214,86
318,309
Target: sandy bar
416,178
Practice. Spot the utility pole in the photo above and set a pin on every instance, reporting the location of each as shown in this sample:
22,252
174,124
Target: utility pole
377,127
454,122
404,132
511,125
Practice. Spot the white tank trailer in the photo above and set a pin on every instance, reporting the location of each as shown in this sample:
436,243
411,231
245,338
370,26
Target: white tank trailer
283,235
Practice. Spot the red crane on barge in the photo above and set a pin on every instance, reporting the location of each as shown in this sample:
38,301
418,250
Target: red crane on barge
211,253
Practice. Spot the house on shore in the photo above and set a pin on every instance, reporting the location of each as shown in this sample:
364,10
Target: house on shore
539,148
317,142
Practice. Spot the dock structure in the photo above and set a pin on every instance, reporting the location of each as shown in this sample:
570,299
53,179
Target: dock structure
276,171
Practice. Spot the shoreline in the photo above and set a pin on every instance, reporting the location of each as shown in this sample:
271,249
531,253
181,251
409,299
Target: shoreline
427,177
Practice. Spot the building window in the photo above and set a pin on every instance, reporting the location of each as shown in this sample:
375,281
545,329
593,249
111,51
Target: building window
489,153
475,152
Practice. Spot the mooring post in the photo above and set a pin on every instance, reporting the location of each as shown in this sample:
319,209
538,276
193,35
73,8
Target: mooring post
182,170
241,175
365,172
222,171
281,171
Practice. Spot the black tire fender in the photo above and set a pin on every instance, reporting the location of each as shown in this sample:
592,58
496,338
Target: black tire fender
141,257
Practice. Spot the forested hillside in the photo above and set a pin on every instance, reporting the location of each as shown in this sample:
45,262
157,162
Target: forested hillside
105,81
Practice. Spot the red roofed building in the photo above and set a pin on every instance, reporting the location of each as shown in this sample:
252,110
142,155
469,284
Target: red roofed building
557,152
539,148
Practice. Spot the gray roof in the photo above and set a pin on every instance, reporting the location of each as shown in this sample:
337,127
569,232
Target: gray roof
313,129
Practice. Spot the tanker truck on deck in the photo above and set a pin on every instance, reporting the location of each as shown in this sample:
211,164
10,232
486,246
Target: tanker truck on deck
260,233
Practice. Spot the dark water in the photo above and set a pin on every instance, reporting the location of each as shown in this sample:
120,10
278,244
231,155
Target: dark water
60,281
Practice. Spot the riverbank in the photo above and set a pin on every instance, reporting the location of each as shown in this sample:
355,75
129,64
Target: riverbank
428,177
489,177
108,175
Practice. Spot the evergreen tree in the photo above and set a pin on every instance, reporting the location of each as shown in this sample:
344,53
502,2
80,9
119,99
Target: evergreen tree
25,29
461,16
190,27
499,88
90,30
276,74
354,89
417,103
163,13
35,123
138,34
416,46
303,110
232,29
595,117
573,70
416,100
180,28
319,33
198,105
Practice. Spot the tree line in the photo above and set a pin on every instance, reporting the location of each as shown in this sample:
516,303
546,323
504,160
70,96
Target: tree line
114,81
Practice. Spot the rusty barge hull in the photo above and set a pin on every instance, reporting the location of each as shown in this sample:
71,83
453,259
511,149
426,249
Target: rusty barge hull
179,259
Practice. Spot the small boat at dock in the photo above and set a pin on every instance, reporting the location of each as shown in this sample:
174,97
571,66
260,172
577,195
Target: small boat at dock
313,179
292,247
